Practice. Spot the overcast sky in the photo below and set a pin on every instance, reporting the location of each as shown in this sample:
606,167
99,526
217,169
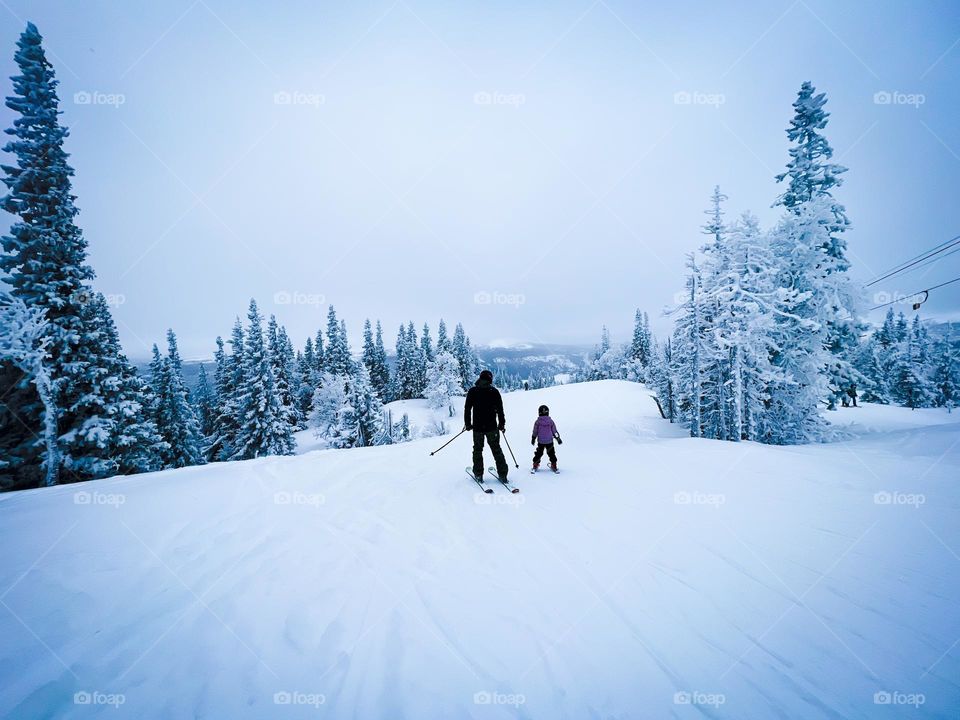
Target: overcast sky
534,170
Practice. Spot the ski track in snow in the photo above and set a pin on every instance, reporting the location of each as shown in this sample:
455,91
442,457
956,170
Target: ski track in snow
655,568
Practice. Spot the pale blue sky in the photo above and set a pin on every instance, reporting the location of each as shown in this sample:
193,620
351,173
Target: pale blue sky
569,189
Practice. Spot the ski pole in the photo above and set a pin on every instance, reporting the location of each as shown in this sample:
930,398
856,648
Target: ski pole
450,441
515,463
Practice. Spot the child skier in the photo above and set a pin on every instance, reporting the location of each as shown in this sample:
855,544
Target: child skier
544,432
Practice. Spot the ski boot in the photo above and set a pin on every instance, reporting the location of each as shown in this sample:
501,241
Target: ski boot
536,466
553,466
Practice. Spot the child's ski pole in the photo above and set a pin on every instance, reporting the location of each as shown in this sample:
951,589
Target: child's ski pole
450,441
515,463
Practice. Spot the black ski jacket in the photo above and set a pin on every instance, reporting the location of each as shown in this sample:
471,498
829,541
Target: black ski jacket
487,405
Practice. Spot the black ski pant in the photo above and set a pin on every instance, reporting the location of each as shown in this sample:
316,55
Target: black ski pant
538,453
493,439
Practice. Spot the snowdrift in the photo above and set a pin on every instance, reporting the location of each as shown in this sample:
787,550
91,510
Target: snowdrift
656,576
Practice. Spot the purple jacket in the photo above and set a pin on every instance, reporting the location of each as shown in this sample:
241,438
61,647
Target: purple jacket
544,429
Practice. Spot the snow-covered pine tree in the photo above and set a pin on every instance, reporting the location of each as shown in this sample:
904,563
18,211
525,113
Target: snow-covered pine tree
307,379
715,361
873,362
912,386
418,363
380,371
638,354
689,347
406,378
328,398
264,426
426,344
23,345
175,417
280,351
812,177
802,330
204,402
443,382
443,342
369,356
663,378
744,301
461,351
337,360
45,263
607,361
358,422
319,356
229,381
135,442
946,372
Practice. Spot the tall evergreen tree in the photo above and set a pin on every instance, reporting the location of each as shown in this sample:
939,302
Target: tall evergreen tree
337,360
380,371
426,344
231,383
443,342
175,417
204,402
45,264
280,352
812,177
23,340
359,419
319,356
264,427
946,373
418,363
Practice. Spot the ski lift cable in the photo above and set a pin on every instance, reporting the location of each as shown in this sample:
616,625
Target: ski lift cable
926,255
925,293
934,260
919,257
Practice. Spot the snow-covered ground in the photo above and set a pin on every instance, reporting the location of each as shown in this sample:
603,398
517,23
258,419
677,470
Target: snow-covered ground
657,576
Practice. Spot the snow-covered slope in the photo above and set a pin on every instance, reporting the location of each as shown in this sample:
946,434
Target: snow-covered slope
657,576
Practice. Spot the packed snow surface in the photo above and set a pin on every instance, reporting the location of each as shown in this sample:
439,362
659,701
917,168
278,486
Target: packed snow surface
656,576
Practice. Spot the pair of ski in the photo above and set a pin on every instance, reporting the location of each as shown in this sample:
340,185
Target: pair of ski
486,488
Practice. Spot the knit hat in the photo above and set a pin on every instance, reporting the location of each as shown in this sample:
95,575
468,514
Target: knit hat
486,375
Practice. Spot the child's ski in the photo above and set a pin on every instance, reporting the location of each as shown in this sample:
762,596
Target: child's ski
478,481
506,483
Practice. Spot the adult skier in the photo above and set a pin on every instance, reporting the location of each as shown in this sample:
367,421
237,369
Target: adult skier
483,413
